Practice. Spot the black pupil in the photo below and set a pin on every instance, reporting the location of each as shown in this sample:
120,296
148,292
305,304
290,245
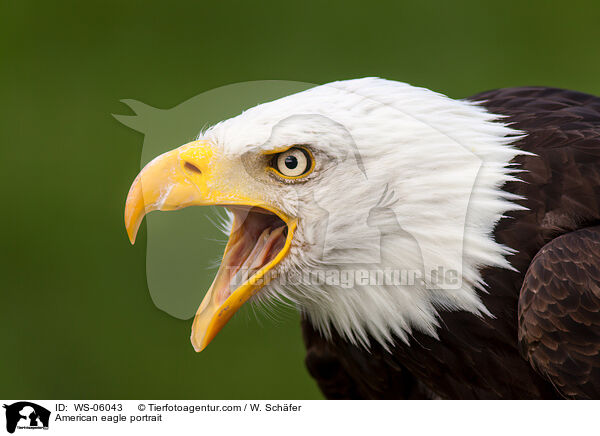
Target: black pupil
291,162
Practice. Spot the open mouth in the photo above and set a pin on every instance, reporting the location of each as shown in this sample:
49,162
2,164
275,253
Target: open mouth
257,237
259,240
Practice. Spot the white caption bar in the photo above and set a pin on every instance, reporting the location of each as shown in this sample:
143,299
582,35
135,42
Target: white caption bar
151,417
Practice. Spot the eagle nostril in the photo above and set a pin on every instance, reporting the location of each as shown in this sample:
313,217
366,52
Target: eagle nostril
192,168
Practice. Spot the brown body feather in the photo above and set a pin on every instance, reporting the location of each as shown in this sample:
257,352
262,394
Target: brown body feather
544,339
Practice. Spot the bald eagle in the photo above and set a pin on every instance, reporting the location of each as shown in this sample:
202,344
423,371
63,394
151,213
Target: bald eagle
457,242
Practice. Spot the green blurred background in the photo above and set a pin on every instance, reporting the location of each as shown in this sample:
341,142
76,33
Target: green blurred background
76,317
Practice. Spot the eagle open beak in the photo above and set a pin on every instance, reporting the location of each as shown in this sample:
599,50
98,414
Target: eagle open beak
261,236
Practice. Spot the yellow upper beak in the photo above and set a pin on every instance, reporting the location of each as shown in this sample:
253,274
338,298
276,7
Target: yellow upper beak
192,175
167,183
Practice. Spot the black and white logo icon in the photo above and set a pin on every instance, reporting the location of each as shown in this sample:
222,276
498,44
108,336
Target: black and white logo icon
26,415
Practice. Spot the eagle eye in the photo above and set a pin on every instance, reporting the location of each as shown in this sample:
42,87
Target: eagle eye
293,163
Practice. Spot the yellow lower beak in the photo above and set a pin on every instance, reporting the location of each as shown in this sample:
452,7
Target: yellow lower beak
189,176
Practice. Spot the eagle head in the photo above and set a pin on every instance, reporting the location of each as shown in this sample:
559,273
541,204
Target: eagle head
347,200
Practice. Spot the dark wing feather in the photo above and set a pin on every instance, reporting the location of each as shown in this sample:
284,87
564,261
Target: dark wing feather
559,313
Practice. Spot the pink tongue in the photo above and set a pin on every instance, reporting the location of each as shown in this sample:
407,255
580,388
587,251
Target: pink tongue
268,244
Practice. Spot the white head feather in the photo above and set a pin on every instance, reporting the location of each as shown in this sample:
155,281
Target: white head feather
438,164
